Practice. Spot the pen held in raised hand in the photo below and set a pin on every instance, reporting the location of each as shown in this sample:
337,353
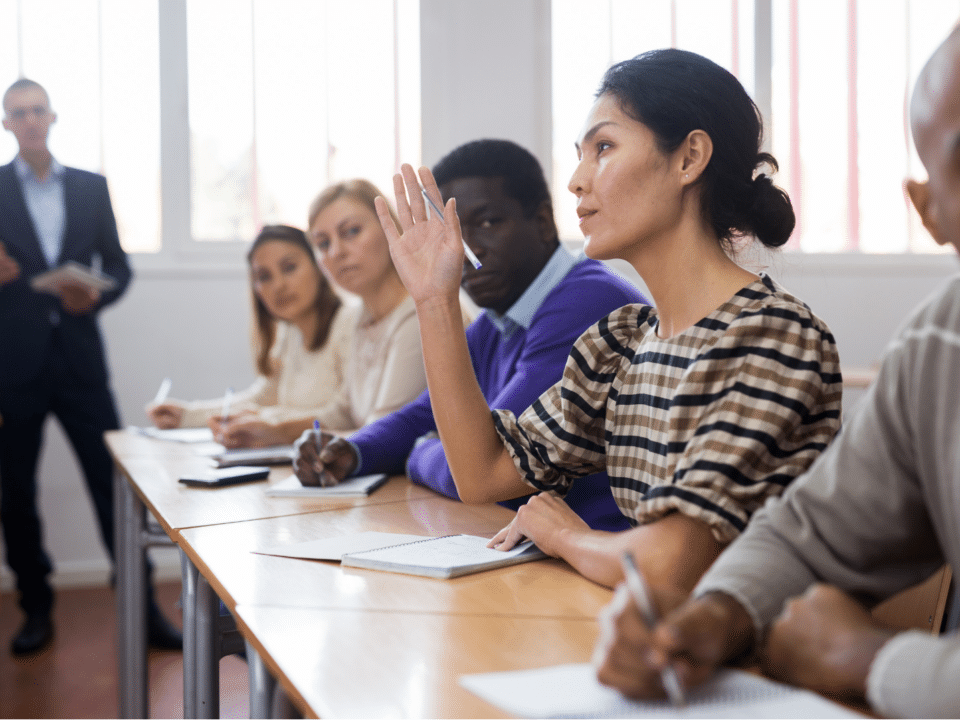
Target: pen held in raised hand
466,248
644,600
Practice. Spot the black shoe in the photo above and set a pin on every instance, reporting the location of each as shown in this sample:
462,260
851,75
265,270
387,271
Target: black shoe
34,635
161,633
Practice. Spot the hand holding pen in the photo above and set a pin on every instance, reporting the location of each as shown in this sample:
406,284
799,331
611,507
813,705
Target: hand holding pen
631,654
427,252
224,416
321,459
163,413
644,600
466,248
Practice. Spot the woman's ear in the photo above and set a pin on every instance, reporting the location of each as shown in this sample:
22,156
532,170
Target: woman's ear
695,153
919,194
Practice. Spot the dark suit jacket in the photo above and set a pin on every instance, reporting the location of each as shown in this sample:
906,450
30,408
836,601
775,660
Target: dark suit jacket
28,322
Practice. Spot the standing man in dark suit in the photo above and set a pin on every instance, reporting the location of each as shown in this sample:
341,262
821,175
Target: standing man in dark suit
51,354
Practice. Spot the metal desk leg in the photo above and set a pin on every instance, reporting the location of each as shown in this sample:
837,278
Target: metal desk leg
189,575
261,684
130,521
207,646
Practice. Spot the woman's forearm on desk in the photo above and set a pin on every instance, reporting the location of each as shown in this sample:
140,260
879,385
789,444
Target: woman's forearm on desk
673,551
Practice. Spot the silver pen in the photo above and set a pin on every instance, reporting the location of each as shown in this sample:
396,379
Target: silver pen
466,248
642,597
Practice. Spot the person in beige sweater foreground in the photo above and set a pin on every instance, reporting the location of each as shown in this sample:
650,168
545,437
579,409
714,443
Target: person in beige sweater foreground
878,512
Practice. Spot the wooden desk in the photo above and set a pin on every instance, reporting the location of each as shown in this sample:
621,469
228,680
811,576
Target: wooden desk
217,529
153,469
223,554
353,663
147,477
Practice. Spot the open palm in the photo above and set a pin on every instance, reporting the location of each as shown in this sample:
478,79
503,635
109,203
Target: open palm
428,254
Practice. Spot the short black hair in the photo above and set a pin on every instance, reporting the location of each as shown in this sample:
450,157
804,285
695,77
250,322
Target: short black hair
23,84
523,178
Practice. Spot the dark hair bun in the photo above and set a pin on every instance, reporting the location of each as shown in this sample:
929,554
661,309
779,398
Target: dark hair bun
771,212
674,92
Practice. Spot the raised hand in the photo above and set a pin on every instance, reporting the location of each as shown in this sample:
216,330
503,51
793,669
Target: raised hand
325,462
428,252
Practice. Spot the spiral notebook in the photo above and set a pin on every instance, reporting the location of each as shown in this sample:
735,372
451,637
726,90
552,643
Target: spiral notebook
573,691
442,557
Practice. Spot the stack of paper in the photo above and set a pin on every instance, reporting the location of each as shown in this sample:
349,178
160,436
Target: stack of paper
72,273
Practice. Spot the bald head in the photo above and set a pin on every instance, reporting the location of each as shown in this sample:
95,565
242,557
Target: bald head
936,92
935,121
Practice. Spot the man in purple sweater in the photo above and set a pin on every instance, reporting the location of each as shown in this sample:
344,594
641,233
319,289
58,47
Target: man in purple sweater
537,300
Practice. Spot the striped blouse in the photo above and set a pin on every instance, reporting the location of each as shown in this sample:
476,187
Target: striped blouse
709,422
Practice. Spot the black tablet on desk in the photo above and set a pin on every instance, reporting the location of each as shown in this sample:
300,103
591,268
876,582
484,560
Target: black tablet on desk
218,477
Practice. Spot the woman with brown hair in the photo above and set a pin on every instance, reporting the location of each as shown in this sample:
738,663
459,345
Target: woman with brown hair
301,341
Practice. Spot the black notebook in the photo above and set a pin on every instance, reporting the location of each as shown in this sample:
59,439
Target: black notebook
218,477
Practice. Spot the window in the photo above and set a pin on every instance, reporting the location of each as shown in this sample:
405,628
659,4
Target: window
98,61
832,88
254,105
286,96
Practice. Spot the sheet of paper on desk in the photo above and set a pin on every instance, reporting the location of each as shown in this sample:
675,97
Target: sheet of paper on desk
335,548
573,691
184,435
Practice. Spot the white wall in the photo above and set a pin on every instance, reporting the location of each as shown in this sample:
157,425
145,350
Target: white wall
485,74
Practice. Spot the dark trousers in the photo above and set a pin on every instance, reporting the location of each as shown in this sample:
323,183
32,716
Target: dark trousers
85,412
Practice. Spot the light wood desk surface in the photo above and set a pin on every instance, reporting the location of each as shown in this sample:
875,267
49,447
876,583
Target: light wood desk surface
352,663
154,467
222,553
327,632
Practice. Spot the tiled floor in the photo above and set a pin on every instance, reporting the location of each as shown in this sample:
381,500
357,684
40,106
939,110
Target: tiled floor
76,676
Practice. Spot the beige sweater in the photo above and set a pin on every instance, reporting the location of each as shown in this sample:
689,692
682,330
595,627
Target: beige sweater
304,383
386,370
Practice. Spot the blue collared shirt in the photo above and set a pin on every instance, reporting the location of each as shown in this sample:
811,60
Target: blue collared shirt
45,203
521,313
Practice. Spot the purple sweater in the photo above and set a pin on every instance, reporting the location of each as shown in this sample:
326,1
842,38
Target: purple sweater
512,371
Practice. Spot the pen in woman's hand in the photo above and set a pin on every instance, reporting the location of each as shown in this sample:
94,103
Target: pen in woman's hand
162,391
225,412
466,248
644,600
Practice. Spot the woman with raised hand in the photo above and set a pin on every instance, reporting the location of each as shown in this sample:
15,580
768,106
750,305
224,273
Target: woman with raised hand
301,340
698,408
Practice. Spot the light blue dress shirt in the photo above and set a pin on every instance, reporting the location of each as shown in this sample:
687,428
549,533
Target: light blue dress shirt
522,311
45,203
